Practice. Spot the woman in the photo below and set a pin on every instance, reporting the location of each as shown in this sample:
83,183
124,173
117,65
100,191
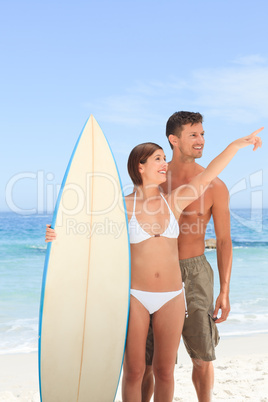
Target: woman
156,285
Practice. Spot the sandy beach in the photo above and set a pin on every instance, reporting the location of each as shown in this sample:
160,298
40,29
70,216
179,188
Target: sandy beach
241,373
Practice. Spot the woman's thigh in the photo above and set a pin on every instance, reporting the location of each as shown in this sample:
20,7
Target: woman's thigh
138,325
167,327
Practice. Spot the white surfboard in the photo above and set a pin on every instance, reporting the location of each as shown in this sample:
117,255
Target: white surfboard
85,292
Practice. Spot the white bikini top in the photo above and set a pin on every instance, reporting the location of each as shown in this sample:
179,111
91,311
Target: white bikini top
137,234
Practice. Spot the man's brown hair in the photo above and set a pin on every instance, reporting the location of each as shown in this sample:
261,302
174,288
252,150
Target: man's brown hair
176,122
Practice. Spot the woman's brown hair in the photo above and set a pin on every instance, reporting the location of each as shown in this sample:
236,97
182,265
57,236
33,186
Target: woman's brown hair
138,155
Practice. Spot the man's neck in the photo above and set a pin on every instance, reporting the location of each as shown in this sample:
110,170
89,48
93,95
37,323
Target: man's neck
183,168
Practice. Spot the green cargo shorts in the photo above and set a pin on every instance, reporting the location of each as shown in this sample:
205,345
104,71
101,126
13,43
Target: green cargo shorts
200,333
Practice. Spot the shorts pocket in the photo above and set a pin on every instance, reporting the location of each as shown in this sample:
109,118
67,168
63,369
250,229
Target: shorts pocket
215,337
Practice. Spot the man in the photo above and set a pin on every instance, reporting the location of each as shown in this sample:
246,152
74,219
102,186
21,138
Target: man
185,133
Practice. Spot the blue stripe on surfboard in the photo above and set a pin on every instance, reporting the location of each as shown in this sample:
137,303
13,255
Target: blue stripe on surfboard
48,255
129,267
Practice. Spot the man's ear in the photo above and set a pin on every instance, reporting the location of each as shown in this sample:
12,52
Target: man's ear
173,139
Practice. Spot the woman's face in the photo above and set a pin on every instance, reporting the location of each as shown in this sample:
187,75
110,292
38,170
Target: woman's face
154,170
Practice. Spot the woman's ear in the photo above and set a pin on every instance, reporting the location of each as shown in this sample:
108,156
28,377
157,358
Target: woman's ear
141,168
173,139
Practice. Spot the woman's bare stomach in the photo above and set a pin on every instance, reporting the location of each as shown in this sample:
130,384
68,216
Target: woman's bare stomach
155,269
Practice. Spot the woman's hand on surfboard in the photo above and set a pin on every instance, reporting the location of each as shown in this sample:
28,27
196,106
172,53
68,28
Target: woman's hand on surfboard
50,234
250,139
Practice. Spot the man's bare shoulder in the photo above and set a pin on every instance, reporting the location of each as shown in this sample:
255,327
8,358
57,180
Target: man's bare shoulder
218,185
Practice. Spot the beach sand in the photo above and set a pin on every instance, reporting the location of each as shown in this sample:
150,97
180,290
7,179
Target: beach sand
241,373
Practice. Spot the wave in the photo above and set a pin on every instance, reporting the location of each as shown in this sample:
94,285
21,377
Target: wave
26,347
249,243
245,244
30,216
248,318
37,247
19,336
238,307
243,333
26,323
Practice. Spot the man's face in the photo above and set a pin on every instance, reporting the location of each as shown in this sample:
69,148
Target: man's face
191,141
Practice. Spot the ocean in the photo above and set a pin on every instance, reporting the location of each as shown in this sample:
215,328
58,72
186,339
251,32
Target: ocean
22,255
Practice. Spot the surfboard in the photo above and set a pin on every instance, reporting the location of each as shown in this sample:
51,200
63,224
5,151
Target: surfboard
85,291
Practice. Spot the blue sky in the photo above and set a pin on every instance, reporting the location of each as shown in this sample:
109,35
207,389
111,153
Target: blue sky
131,64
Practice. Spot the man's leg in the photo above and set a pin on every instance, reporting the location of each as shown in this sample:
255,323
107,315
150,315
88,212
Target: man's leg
203,379
200,333
147,387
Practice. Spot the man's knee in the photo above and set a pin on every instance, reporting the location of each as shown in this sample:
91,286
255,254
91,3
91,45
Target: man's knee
148,373
201,366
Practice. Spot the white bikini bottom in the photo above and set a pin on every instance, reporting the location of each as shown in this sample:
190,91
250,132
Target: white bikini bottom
153,301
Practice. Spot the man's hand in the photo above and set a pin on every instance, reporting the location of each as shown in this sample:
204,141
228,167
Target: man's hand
223,304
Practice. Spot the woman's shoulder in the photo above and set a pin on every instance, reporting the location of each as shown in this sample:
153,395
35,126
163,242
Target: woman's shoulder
129,199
